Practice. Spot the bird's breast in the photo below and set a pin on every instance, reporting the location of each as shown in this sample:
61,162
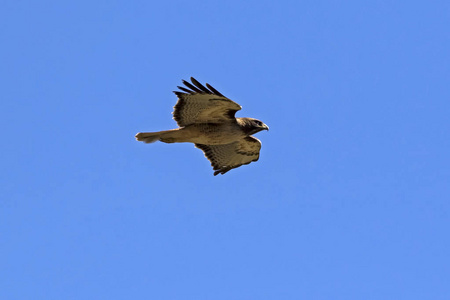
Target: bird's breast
214,133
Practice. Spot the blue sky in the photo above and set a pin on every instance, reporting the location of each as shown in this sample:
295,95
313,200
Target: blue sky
349,199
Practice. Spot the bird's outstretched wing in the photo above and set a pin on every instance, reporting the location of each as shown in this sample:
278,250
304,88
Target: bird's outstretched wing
200,104
223,158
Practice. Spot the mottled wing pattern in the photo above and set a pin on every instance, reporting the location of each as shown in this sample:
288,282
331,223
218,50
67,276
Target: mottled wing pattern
200,104
223,158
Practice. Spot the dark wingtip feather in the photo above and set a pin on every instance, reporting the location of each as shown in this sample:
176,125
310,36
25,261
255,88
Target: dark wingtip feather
185,90
197,87
191,86
214,90
200,86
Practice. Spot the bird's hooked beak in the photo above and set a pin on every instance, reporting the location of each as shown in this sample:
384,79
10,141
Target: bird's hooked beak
265,127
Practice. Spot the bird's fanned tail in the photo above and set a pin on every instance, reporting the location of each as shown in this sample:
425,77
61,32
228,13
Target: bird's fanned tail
165,136
148,137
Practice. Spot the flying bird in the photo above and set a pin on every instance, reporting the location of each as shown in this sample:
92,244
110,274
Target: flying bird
207,118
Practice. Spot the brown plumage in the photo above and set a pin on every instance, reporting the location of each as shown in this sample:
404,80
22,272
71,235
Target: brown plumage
207,119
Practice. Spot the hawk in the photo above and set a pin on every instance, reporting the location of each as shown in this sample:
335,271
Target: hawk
207,118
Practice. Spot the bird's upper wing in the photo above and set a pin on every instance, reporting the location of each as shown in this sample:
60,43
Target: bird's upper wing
223,158
199,104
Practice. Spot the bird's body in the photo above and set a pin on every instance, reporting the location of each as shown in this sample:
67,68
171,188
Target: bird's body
206,118
201,133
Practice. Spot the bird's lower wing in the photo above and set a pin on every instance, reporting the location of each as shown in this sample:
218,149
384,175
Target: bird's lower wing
223,158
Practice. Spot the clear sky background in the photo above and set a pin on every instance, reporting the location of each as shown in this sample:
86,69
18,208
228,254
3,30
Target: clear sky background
349,199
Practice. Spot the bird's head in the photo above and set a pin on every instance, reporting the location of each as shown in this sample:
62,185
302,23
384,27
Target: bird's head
252,126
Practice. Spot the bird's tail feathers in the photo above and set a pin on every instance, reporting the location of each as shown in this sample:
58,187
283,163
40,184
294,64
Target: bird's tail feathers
166,136
148,137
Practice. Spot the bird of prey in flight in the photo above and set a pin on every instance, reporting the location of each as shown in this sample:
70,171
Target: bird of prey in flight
206,118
